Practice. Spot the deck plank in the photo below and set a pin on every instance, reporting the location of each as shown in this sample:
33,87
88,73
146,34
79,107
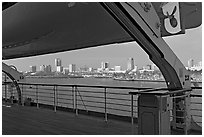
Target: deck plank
24,120
18,120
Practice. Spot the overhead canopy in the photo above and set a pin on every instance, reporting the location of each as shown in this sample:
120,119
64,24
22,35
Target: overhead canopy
38,28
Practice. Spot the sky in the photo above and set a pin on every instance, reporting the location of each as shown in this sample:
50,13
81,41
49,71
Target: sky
185,46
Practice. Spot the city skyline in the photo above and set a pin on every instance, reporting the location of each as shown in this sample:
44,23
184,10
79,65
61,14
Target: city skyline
105,65
117,54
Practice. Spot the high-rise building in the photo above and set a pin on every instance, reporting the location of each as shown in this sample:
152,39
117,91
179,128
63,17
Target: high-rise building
190,63
130,64
135,69
72,68
42,68
65,70
104,65
59,68
117,68
48,68
33,69
58,62
149,67
200,64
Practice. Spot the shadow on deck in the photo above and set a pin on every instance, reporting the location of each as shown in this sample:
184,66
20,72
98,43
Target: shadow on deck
18,120
25,120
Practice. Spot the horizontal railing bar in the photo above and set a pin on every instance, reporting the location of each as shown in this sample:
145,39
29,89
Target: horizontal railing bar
196,103
112,93
197,115
93,101
47,89
63,94
118,99
64,98
88,91
197,122
58,89
196,87
29,95
45,100
90,106
38,91
45,96
91,96
196,109
49,93
118,109
64,102
91,86
195,95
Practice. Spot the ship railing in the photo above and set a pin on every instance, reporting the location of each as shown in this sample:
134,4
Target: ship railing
107,100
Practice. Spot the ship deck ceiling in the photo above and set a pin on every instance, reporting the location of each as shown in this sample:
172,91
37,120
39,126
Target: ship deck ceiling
25,120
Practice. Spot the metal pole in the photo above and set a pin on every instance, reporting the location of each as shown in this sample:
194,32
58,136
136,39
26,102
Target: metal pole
5,88
12,95
22,96
54,99
37,96
73,98
106,116
132,119
185,116
75,94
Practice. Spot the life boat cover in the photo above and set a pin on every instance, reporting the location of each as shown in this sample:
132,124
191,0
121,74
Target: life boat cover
36,28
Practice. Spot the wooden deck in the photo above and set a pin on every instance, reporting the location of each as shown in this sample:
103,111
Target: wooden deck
23,120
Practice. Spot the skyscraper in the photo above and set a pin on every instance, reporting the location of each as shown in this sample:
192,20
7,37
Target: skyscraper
104,65
59,68
117,68
33,69
48,68
72,68
42,68
130,64
58,62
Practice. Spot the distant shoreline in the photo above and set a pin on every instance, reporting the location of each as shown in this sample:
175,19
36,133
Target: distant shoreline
118,79
142,80
54,77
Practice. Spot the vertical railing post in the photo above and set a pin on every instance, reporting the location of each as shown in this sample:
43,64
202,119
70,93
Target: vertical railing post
106,116
5,87
132,119
54,99
73,99
75,94
22,96
37,96
12,95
